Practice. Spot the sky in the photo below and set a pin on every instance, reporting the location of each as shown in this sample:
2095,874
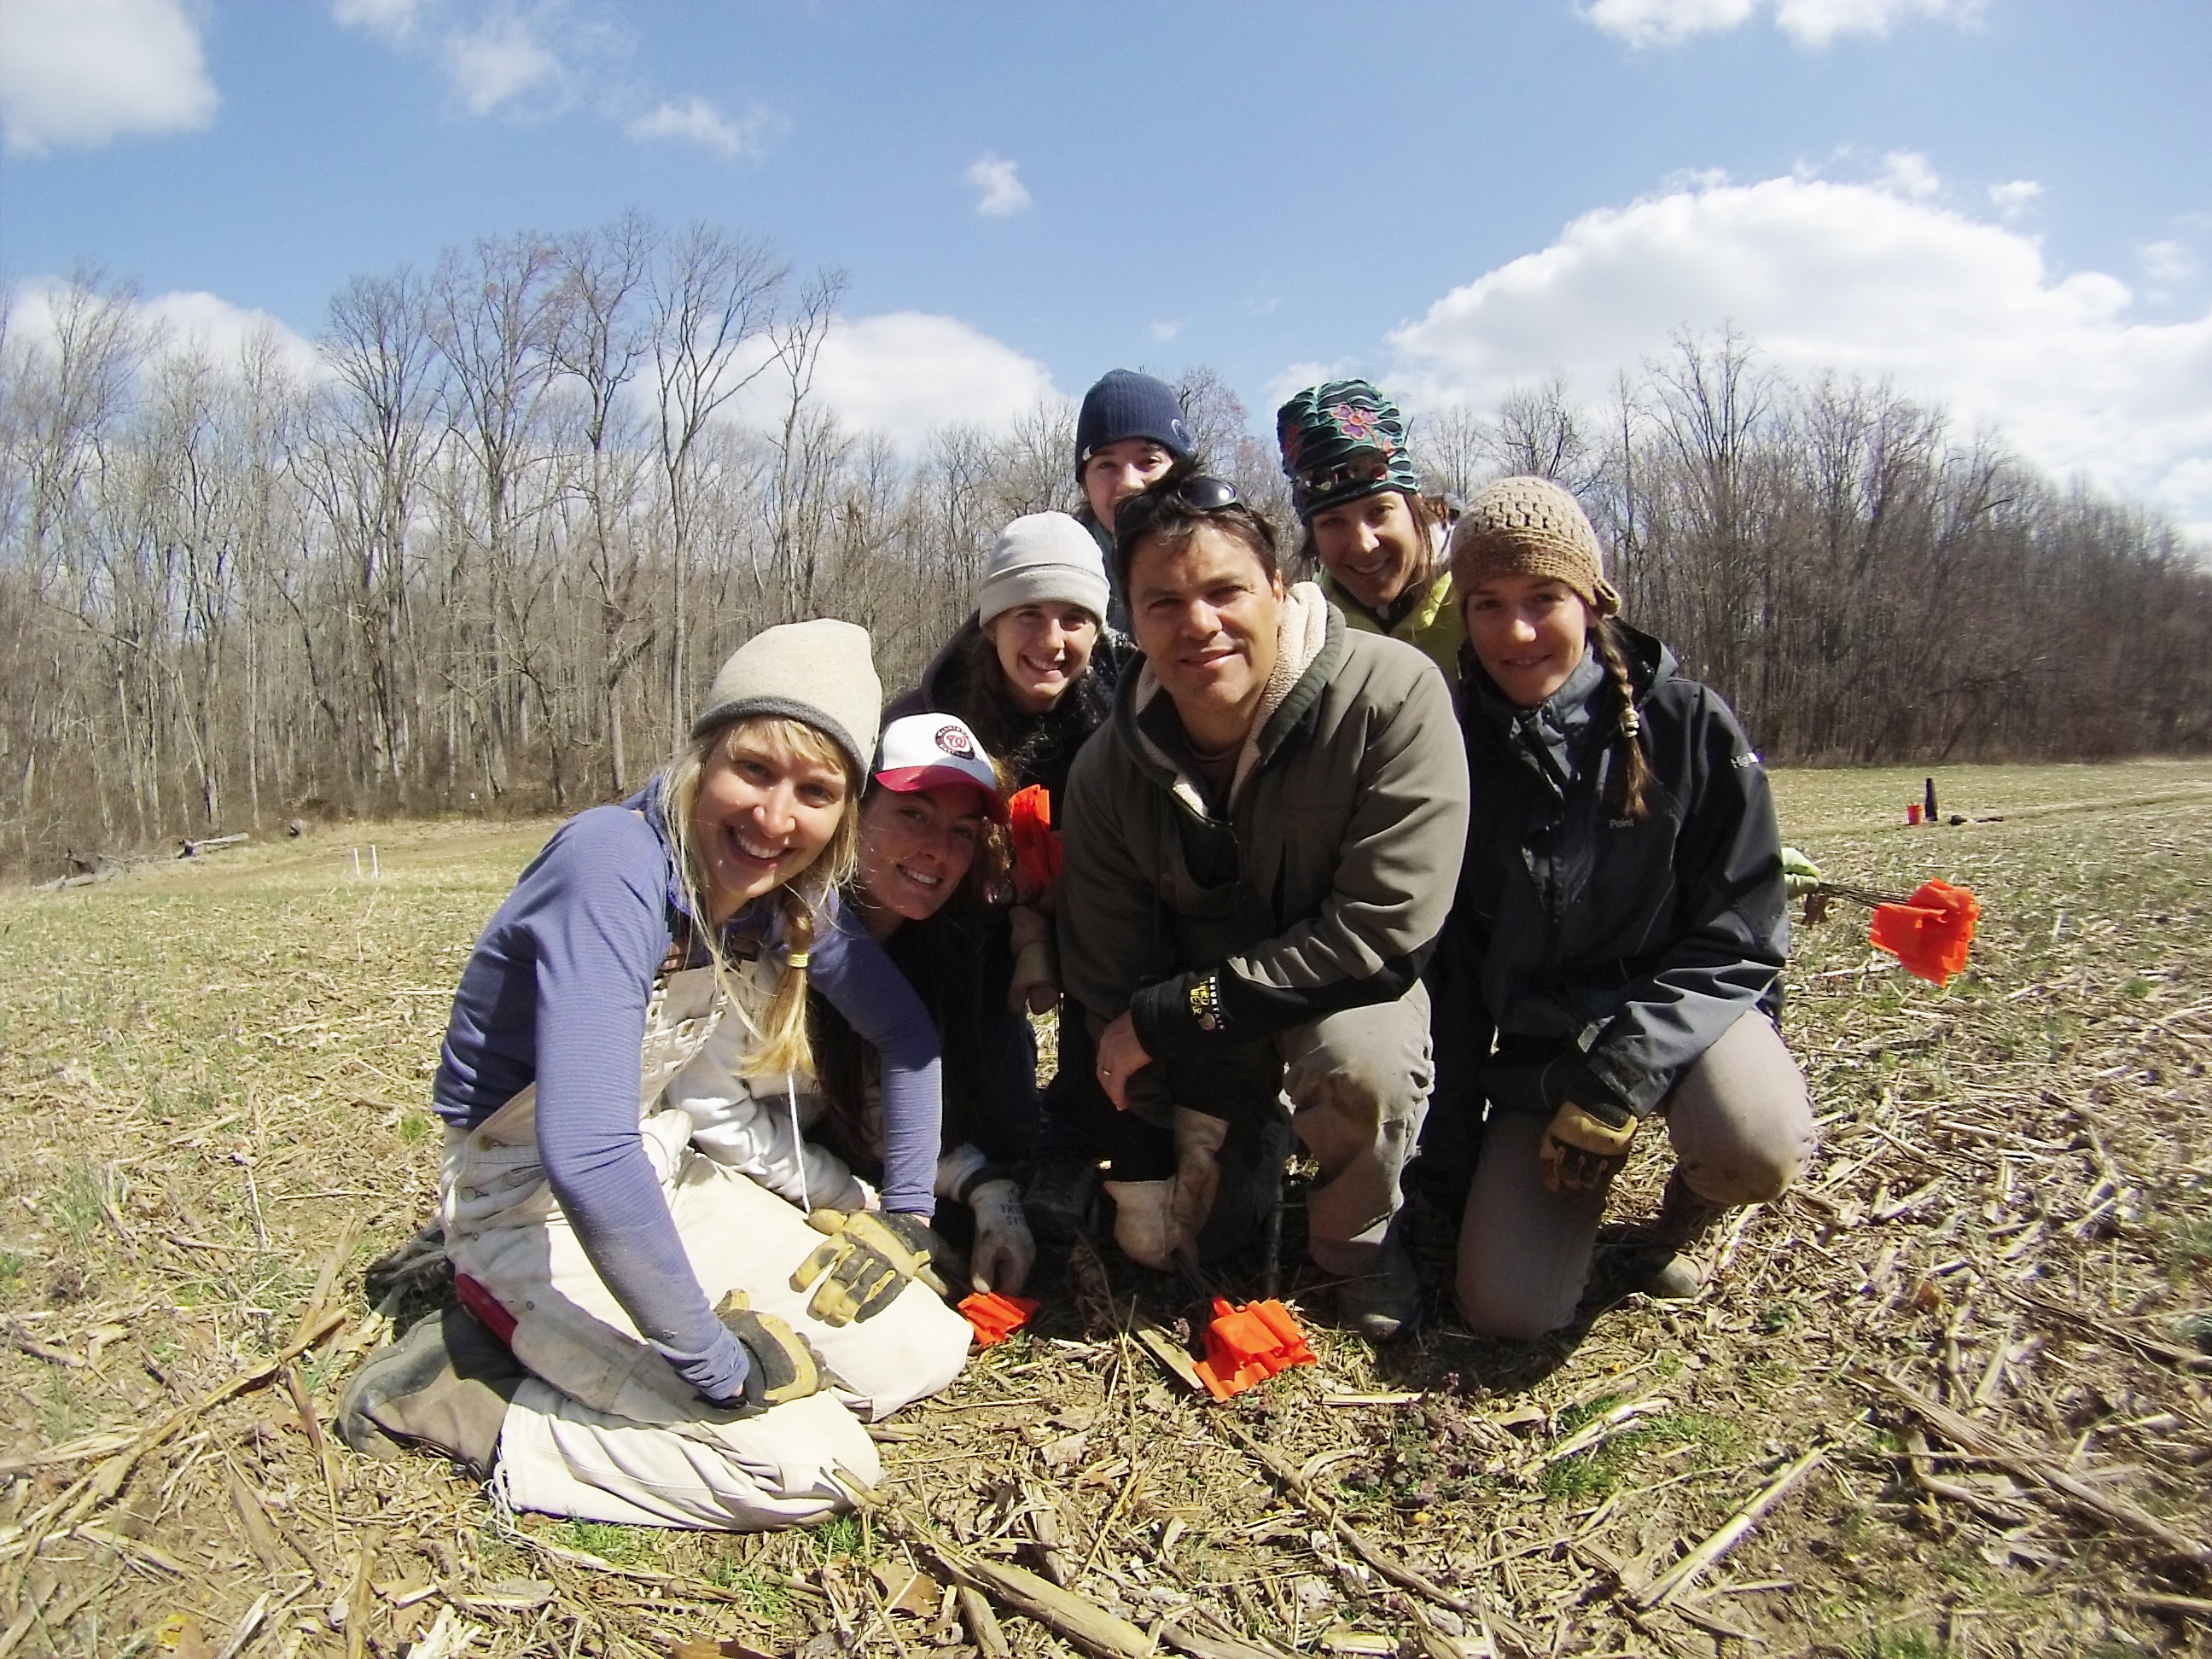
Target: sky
2003,205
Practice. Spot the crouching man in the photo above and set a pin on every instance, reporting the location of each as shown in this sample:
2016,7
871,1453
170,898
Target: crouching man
1258,862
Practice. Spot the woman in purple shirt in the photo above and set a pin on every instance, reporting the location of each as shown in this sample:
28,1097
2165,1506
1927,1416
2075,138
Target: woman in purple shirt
648,1335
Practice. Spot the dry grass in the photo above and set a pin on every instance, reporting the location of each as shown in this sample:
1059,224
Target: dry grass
215,1077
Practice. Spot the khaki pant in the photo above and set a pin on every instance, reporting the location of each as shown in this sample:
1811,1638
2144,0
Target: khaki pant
1357,1085
607,1431
1742,1127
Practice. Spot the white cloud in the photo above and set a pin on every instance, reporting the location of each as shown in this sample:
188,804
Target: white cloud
1166,332
184,320
2168,262
394,20
1663,22
905,371
79,73
523,56
498,61
1809,22
697,121
1907,172
1003,194
1861,279
2014,197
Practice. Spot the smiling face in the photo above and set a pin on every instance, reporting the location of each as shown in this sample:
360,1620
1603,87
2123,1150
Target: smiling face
1529,632
1374,546
1042,649
1207,614
916,847
1117,471
764,810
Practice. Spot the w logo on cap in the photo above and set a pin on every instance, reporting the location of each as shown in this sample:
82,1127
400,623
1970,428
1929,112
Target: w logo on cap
953,740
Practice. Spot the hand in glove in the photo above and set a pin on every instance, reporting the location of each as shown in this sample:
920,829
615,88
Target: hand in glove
1004,1251
1799,875
866,1262
1035,985
1583,1145
783,1364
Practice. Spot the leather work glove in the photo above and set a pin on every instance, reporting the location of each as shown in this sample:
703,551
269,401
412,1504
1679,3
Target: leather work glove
784,1366
866,1262
1799,875
1583,1145
1004,1251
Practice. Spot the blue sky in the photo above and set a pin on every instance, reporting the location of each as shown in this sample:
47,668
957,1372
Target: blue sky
2006,205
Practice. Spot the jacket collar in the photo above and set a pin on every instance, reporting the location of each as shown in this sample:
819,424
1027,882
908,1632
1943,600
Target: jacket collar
1310,647
1556,725
1415,609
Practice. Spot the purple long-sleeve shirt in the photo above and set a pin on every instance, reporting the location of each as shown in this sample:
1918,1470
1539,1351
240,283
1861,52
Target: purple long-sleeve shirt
556,994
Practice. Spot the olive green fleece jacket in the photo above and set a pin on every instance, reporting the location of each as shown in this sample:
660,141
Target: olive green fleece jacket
1322,884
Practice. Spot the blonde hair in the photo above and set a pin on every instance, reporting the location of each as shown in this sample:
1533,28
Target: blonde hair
779,1037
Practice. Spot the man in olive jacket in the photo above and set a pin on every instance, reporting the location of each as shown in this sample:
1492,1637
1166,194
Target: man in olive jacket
1258,861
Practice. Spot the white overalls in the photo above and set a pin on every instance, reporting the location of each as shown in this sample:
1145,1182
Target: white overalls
604,1428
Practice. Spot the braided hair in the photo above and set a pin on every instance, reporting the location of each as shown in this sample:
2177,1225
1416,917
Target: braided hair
1632,781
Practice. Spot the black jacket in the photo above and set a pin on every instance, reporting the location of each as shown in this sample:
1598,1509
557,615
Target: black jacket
1608,954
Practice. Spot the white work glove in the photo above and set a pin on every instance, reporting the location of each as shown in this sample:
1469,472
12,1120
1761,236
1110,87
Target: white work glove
1005,1250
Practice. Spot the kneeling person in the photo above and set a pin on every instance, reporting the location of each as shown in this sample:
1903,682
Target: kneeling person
1258,862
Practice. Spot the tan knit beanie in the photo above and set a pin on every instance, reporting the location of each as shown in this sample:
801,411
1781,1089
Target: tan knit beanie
1530,526
820,671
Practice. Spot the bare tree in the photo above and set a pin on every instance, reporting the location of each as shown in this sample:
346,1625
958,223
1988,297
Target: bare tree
713,296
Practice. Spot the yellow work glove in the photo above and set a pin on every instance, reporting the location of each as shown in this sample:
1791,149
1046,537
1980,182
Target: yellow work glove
866,1260
1799,875
1583,1145
784,1366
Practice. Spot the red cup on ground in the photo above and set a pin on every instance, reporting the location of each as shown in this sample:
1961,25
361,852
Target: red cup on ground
1913,812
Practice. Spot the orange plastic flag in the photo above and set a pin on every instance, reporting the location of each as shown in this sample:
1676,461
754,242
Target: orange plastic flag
1248,1345
1931,932
994,1317
1036,844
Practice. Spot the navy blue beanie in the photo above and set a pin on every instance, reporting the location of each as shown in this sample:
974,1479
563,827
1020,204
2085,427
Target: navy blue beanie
1128,404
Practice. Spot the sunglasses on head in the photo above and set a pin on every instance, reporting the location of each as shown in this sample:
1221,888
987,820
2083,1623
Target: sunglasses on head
1199,493
1366,466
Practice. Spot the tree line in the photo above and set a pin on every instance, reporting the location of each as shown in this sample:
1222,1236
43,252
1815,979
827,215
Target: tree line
485,558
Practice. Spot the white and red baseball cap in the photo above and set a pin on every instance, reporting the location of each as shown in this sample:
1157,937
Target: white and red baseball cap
927,751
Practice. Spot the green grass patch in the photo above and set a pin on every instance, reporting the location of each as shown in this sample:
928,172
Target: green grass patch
1626,1460
767,1599
839,1534
623,1547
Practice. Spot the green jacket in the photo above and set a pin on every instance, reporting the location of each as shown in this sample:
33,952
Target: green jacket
1322,882
1433,624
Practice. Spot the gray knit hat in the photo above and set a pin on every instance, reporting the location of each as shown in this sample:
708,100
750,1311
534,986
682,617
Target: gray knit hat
1040,556
1530,526
817,672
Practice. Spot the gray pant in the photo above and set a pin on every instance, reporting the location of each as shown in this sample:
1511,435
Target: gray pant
1356,1084
1742,1127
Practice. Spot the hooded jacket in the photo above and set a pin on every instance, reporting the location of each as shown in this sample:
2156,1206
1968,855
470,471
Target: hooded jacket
1319,883
1627,947
1433,622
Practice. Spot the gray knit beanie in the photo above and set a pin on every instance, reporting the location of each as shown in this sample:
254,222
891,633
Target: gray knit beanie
1530,526
1043,556
817,672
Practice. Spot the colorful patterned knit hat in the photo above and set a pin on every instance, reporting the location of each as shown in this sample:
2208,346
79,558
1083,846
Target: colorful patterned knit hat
1530,526
1342,440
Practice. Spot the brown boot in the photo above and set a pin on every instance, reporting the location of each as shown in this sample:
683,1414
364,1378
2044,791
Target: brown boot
445,1385
1669,1264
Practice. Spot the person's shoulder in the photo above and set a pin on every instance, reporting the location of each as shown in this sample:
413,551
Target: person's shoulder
1382,668
606,849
